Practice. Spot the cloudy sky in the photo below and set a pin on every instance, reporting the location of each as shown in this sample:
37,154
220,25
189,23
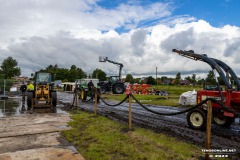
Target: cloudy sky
138,33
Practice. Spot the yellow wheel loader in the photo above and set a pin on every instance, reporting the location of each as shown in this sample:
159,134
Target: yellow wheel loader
43,94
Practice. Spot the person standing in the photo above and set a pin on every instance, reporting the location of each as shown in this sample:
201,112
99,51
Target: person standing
90,88
30,86
23,88
90,85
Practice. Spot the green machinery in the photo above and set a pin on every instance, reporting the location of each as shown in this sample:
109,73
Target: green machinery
85,92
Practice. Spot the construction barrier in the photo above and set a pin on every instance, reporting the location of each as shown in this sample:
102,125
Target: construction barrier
137,89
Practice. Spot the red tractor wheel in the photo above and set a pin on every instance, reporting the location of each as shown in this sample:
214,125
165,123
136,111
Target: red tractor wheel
223,121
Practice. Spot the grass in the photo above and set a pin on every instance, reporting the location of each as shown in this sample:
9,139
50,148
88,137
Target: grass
147,99
97,137
176,90
170,100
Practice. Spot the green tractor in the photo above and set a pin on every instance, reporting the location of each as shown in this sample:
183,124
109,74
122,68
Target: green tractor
114,84
85,91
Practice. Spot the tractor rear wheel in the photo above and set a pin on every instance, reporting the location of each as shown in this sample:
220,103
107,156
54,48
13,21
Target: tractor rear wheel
118,88
225,122
29,100
197,119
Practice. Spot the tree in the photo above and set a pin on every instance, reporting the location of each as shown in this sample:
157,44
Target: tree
194,79
163,78
188,78
1,74
191,79
151,80
199,81
136,80
80,73
129,78
99,74
75,73
9,68
65,74
52,69
62,74
178,78
210,78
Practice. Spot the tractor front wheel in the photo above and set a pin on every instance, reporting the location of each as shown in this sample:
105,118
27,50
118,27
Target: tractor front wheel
54,99
197,119
29,100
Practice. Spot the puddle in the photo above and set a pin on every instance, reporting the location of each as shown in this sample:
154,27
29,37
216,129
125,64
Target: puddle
10,106
16,106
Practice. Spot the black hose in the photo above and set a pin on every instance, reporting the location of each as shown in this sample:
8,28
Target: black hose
189,109
114,105
171,114
88,100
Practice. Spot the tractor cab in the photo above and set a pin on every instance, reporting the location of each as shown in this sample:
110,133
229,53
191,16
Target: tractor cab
113,79
43,78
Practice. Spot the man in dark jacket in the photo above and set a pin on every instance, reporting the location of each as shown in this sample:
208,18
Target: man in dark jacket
23,88
90,85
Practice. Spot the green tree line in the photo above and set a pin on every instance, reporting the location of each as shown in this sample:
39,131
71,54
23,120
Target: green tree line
9,68
73,73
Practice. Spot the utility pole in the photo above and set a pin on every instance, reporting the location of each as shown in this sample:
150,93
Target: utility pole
4,96
156,78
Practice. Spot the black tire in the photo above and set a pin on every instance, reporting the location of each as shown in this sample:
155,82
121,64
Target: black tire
103,89
224,122
83,95
118,88
29,100
54,99
197,119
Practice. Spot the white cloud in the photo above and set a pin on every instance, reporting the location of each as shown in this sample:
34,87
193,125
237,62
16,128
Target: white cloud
28,18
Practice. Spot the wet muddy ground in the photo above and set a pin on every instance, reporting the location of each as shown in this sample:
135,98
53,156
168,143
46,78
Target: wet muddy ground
176,126
33,135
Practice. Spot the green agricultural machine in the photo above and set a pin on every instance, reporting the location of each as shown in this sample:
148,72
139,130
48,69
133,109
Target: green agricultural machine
114,84
85,91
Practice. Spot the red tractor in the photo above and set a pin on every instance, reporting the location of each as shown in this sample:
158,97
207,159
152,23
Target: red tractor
230,97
